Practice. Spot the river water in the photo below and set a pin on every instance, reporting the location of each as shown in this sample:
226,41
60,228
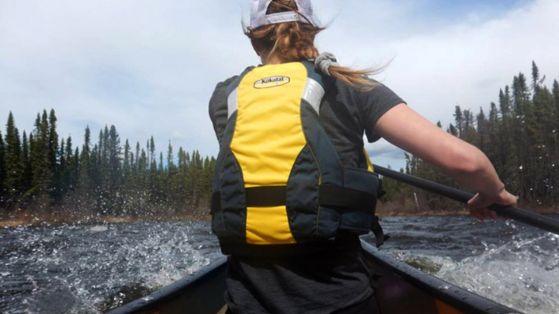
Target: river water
90,269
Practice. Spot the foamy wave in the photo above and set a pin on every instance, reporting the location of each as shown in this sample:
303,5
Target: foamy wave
90,269
522,274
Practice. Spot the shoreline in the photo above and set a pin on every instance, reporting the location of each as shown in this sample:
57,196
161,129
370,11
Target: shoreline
22,218
406,207
32,220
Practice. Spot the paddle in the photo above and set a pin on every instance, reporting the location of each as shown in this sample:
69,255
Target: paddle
522,215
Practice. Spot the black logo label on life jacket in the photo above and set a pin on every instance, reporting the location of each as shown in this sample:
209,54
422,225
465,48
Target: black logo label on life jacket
272,81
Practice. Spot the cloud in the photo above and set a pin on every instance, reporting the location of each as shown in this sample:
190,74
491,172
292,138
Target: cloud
463,63
149,67
466,63
385,150
146,67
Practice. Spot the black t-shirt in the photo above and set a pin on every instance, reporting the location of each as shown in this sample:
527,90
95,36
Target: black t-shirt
335,279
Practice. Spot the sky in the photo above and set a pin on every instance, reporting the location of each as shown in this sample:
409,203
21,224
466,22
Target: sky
149,67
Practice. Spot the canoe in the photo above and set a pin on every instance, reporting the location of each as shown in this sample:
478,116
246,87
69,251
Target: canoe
400,288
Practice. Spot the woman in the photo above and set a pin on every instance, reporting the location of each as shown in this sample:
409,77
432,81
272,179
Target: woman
292,192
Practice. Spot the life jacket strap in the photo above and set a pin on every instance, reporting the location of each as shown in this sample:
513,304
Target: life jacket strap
328,195
376,228
266,196
340,197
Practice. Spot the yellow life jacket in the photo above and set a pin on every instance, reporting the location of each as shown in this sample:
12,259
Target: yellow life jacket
279,180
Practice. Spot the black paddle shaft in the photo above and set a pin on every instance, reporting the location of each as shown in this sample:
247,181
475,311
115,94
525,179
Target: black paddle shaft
522,215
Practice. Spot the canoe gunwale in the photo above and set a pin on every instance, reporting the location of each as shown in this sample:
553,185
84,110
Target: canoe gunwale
193,288
159,296
458,297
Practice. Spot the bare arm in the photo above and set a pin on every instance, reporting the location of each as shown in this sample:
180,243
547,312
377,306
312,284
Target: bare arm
463,162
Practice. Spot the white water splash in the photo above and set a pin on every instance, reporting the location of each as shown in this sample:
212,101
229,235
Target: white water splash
87,269
522,274
99,228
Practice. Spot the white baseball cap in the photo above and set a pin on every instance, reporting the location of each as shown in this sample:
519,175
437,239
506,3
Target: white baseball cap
258,16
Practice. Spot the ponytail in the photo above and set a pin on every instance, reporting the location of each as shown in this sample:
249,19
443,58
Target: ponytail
327,64
294,41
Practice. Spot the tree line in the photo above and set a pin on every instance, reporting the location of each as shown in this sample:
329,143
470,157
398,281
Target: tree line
40,171
519,134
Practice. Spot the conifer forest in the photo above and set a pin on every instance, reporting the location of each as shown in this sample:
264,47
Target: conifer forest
41,172
519,133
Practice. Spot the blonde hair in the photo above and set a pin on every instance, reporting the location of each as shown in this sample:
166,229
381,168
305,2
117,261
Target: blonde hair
294,41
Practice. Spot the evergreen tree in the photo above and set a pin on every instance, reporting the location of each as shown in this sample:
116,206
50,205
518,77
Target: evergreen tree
143,162
520,134
452,130
535,76
114,155
52,140
493,146
170,162
555,92
482,131
459,120
42,173
521,94
126,163
136,161
76,167
493,114
151,149
71,172
26,160
101,153
469,132
84,166
2,169
61,168
505,102
13,162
